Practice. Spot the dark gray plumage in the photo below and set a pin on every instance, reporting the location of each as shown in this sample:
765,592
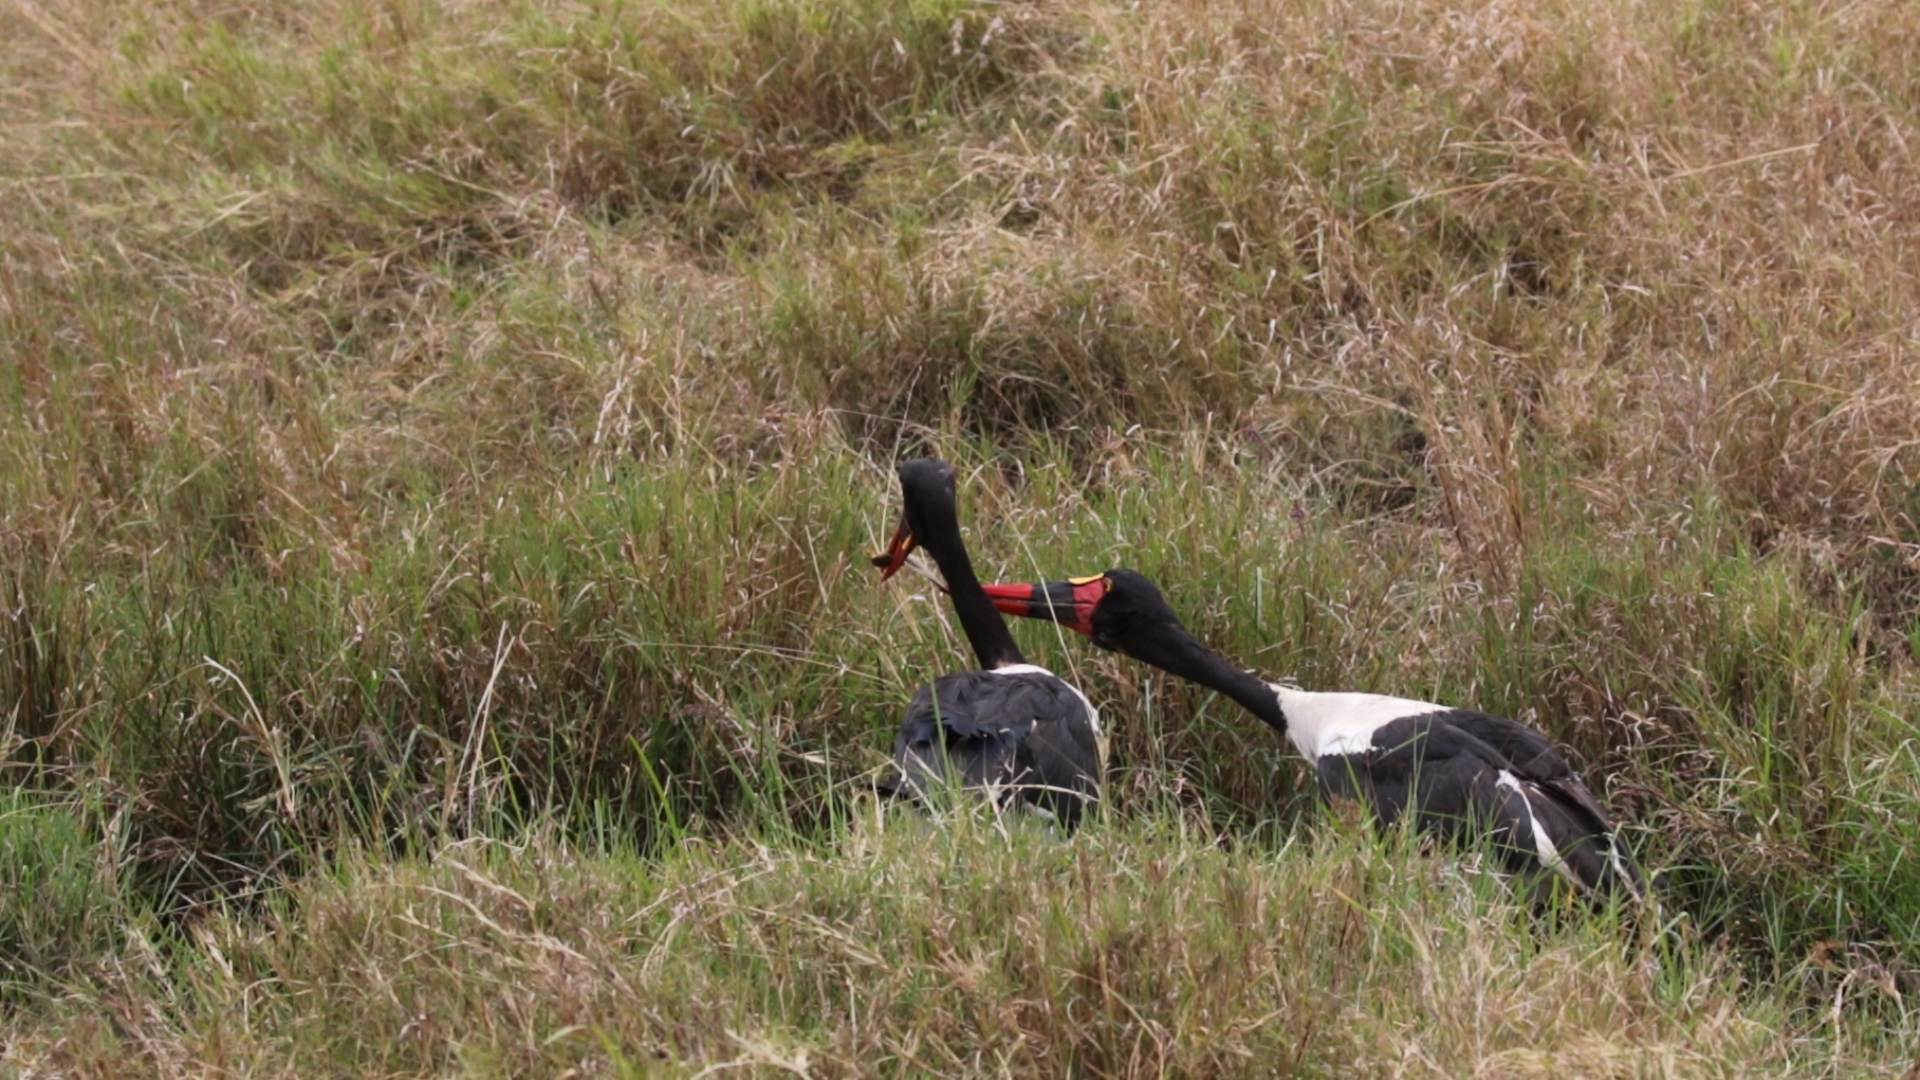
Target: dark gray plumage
1012,729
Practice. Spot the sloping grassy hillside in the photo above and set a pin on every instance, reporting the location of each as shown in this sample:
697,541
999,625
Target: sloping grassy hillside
428,422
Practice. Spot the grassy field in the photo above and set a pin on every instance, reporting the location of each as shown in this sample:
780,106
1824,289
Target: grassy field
439,444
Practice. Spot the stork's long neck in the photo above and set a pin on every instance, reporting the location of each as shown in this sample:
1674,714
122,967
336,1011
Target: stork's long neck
1171,648
986,631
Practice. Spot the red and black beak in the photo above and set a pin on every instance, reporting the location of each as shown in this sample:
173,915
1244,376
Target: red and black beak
1069,603
891,560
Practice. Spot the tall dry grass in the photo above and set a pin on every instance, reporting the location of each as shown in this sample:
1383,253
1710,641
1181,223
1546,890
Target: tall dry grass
425,419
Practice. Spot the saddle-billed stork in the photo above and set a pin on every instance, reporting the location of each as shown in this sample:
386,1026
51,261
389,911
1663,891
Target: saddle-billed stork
1014,729
1462,773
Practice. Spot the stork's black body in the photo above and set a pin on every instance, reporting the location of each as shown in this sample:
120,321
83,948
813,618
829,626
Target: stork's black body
1462,774
1447,767
1019,732
1012,729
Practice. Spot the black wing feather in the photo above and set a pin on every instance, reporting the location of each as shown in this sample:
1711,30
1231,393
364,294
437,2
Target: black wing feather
1535,760
1442,767
1026,734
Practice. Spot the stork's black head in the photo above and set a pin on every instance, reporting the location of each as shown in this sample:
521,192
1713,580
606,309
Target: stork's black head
1121,610
928,511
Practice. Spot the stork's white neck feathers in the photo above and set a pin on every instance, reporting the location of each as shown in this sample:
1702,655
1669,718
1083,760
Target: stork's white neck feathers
1341,723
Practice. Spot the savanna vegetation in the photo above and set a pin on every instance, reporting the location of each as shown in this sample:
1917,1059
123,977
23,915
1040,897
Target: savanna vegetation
439,444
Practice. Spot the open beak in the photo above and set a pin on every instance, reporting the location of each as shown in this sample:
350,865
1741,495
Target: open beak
1069,603
891,560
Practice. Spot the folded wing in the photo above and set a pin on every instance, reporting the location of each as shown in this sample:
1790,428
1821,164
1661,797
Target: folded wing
1026,738
1448,768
